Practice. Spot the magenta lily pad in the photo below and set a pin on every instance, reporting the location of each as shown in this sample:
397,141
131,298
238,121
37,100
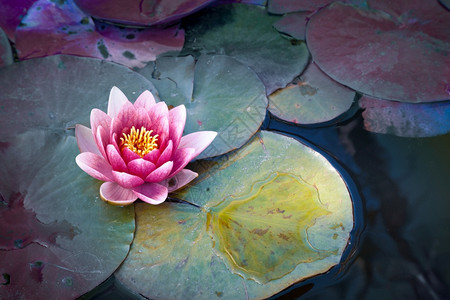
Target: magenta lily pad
313,98
402,50
406,119
11,13
73,32
6,56
265,217
141,12
220,94
245,32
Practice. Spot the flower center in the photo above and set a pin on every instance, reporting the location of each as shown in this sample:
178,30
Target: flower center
140,141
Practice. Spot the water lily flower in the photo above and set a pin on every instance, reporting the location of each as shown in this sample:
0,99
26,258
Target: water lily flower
138,149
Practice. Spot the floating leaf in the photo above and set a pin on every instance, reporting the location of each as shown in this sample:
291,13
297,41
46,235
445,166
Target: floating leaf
266,216
71,88
12,13
58,237
141,12
287,6
73,32
245,33
315,98
220,94
6,56
381,67
405,119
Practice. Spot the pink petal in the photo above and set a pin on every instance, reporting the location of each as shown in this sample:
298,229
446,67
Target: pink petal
141,118
129,155
127,115
85,139
116,129
116,100
159,115
99,118
198,140
101,138
181,179
127,180
153,193
177,120
160,173
181,159
153,155
141,167
95,165
145,100
116,161
114,194
166,154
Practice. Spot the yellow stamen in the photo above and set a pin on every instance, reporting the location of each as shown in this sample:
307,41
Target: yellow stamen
139,141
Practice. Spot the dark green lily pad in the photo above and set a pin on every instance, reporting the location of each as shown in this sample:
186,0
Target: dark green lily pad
58,237
314,98
405,119
220,94
6,56
265,217
245,33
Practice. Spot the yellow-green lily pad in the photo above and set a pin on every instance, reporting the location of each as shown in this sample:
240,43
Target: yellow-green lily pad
255,222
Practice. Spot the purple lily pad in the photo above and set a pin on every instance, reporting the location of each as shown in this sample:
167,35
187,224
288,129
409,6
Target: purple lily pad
141,12
6,56
314,98
399,52
288,6
11,13
54,28
405,119
293,24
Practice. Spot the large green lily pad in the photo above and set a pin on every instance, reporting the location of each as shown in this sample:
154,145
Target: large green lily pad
58,237
245,33
60,91
259,220
220,94
314,98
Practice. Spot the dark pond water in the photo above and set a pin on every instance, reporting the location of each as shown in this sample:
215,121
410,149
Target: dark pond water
400,248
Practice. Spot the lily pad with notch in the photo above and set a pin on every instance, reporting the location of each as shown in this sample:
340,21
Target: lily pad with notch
252,224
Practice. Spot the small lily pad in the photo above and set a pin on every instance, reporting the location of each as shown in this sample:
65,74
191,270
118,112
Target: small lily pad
220,94
75,33
245,33
387,39
405,119
141,12
6,56
314,98
293,24
262,218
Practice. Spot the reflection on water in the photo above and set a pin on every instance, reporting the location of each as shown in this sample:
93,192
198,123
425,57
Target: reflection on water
405,188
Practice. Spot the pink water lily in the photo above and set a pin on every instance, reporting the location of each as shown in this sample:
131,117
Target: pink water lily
138,149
